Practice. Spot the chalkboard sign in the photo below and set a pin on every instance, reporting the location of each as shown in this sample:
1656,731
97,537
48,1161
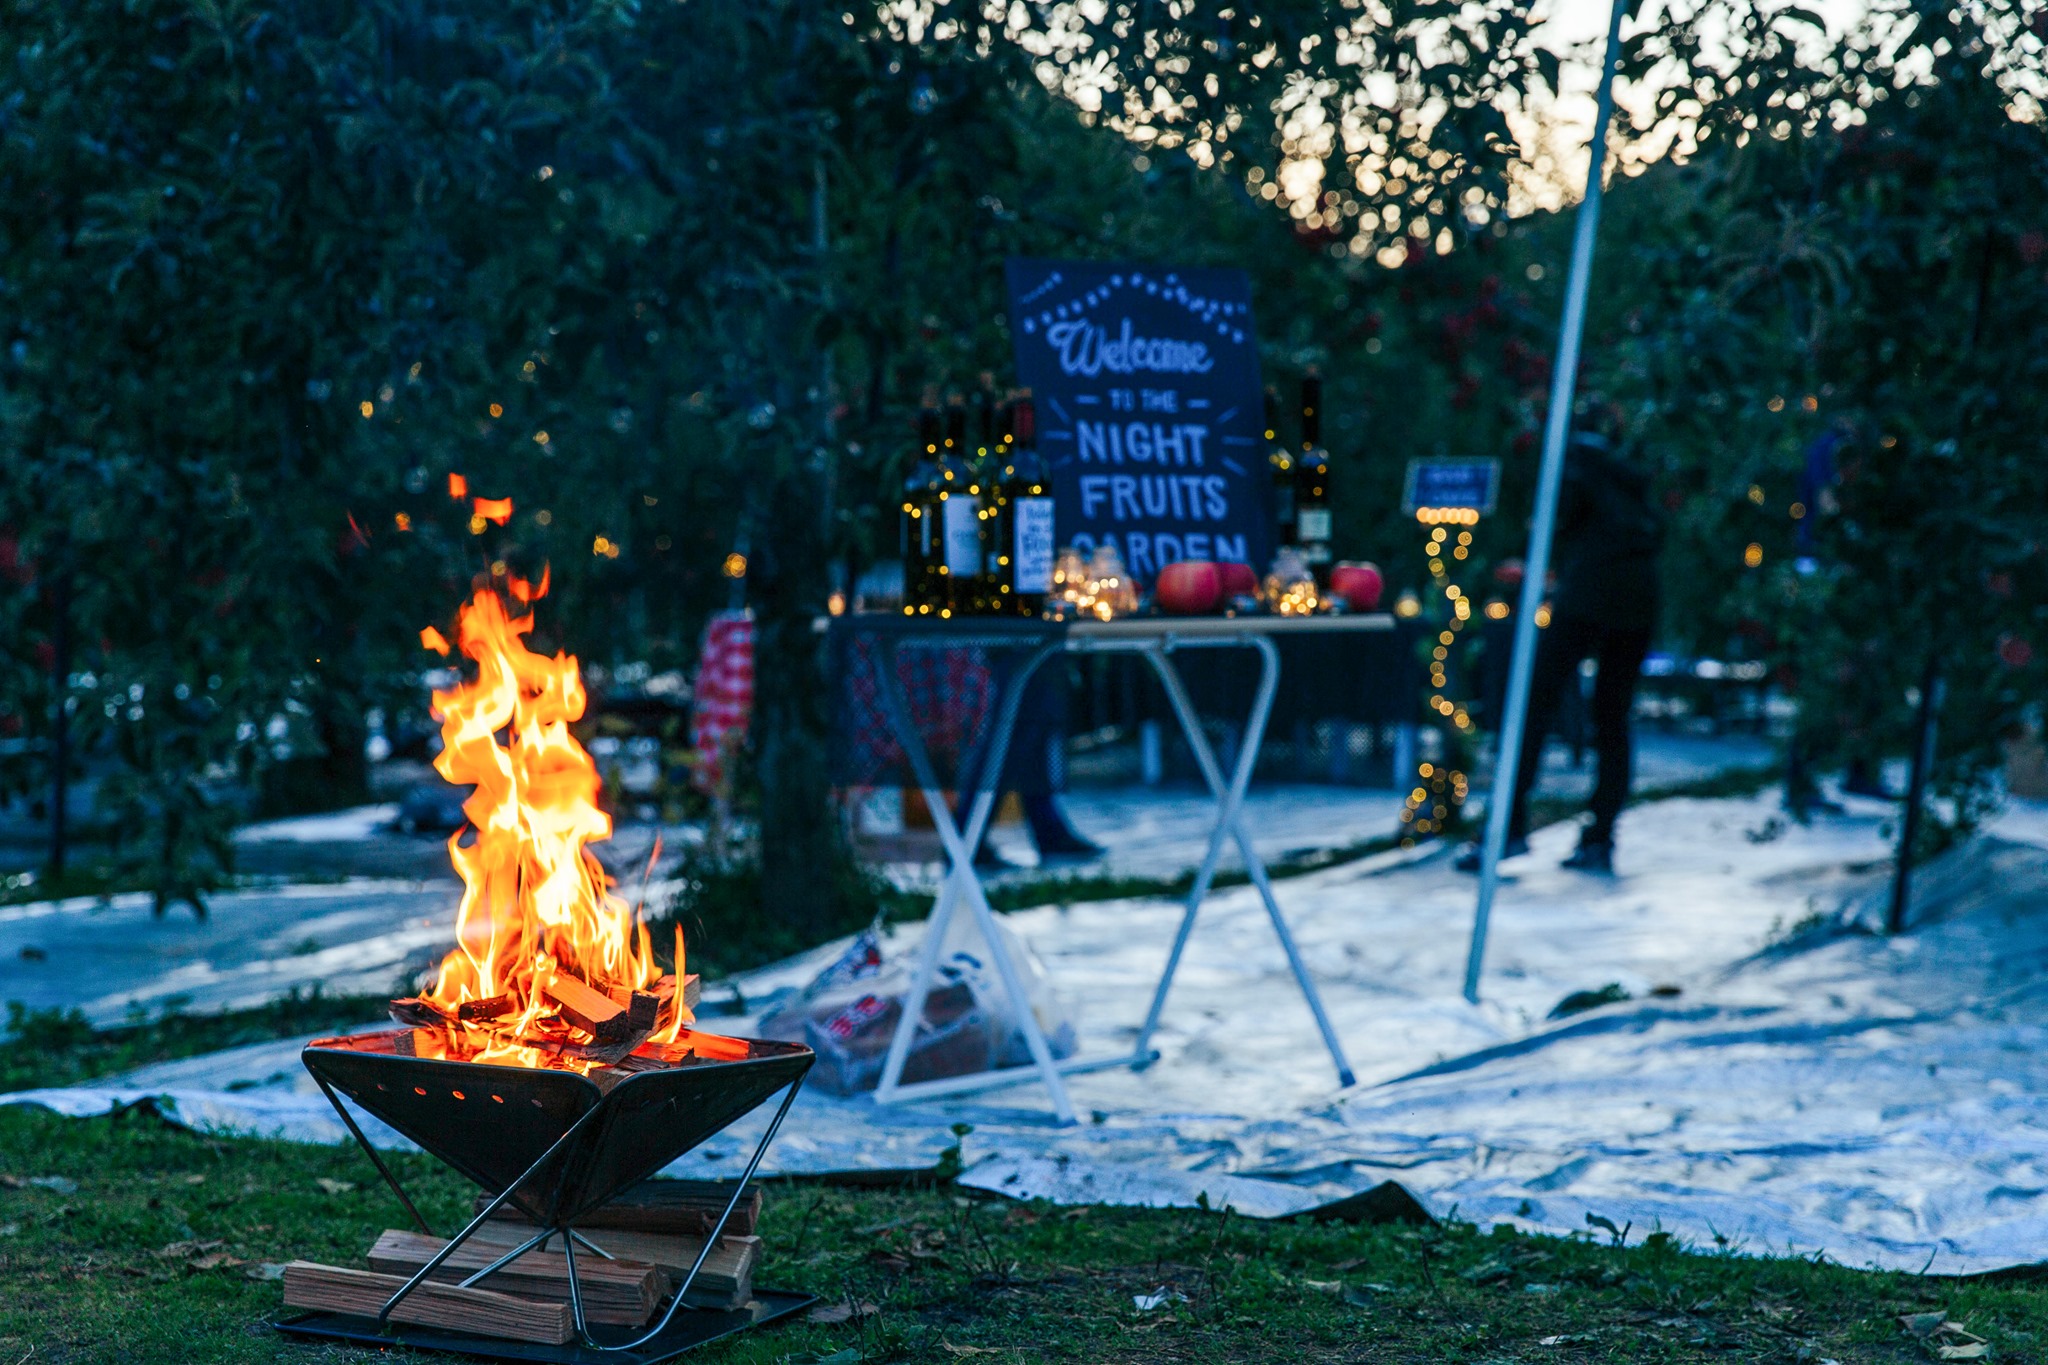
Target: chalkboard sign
1451,483
1150,414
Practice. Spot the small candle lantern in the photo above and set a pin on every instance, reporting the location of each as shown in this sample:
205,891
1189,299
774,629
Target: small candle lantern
1111,591
1290,589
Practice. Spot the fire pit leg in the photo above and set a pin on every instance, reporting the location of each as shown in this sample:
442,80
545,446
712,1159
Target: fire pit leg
588,1245
514,1254
384,1314
576,1294
710,1241
371,1152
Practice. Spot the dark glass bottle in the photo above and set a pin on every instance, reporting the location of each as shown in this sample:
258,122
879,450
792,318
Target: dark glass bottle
1024,522
1312,482
1280,461
991,454
960,521
921,582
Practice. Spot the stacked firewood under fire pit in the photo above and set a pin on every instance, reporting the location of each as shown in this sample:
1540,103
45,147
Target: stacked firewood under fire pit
653,1232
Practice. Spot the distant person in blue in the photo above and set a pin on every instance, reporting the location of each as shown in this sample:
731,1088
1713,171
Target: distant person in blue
1035,769
1859,714
1604,608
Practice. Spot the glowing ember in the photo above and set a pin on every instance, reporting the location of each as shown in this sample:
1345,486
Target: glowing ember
546,955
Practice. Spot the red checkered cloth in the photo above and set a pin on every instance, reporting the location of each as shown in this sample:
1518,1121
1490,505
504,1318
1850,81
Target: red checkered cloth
724,696
950,693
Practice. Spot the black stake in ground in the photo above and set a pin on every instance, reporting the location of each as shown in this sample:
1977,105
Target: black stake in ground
1931,687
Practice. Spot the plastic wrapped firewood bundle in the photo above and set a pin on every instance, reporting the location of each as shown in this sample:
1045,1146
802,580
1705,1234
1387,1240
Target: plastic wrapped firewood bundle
849,1013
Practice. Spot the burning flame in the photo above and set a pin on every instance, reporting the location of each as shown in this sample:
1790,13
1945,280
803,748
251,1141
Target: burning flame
537,906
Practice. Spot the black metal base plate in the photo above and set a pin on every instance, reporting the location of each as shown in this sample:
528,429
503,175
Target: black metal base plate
690,1328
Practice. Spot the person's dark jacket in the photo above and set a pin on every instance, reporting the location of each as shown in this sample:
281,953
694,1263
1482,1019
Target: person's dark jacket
1608,538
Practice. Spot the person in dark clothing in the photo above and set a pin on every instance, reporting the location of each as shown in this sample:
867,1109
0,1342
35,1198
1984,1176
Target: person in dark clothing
1035,769
1604,608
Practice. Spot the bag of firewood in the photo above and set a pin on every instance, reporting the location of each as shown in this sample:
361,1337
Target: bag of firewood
849,1013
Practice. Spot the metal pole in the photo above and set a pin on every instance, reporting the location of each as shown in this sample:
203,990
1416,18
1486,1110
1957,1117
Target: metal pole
1563,383
1931,686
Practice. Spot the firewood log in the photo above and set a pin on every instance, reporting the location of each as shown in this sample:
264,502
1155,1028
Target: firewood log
334,1289
621,1292
725,1281
677,1206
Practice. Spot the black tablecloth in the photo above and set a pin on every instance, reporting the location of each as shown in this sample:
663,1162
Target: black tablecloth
1366,678
953,674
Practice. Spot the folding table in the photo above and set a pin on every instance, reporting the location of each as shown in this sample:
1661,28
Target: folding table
1155,639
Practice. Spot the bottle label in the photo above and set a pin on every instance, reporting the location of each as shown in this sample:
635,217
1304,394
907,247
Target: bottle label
1031,557
1314,523
963,534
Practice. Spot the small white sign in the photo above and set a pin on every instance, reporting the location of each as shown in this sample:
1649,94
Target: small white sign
1033,554
963,534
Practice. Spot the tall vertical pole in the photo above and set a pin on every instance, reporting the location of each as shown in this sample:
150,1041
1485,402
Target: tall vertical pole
1931,687
1563,384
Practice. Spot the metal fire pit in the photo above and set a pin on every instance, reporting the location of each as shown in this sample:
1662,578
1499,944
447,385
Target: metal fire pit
555,1145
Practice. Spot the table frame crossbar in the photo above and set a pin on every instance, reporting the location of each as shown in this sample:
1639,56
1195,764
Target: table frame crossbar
963,885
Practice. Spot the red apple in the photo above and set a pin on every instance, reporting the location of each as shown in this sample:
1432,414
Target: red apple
1188,588
1359,583
1238,579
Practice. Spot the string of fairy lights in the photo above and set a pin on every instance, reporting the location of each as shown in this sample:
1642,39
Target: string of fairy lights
1441,786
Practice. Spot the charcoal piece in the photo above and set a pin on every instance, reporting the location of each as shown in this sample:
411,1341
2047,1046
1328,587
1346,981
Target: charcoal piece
497,1007
644,1009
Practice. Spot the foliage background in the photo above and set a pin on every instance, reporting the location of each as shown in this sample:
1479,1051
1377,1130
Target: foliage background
674,276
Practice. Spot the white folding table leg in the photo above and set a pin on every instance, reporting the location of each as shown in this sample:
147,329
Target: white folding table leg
1205,759
962,880
1013,982
921,979
1229,823
1345,1077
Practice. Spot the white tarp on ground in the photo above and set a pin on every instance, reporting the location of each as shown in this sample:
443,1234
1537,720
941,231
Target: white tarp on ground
1875,1099
111,958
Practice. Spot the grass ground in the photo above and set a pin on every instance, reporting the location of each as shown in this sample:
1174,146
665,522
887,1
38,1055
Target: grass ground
126,1239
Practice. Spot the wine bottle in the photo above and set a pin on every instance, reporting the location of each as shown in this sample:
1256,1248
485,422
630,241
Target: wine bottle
1024,523
991,454
921,557
1312,481
960,519
1280,462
